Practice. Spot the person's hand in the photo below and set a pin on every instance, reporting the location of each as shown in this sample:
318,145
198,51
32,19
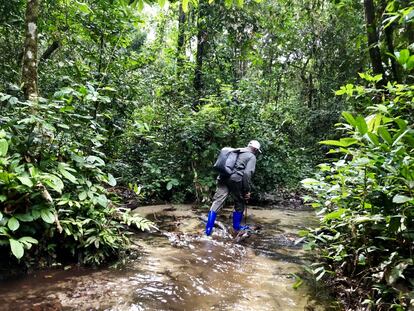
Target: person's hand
247,196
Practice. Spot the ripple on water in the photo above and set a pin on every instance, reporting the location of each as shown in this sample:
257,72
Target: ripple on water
181,269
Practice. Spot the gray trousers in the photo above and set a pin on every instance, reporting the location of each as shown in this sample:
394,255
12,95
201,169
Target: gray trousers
224,188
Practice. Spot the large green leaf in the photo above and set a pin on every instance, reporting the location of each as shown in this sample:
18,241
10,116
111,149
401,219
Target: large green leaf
25,180
102,200
184,5
349,118
372,138
335,214
47,216
410,63
13,224
53,182
111,180
24,217
4,146
67,175
83,7
16,248
400,199
402,56
343,142
361,125
385,135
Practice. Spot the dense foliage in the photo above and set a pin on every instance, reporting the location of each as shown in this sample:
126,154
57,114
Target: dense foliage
52,184
365,200
102,94
364,197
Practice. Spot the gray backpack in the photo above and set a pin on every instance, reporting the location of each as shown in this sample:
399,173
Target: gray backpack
226,161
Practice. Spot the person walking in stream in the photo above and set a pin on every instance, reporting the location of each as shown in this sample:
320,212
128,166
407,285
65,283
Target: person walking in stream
236,168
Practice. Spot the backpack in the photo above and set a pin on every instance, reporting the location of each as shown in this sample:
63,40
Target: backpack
226,161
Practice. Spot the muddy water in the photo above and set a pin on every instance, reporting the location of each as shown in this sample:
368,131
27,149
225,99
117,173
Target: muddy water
179,268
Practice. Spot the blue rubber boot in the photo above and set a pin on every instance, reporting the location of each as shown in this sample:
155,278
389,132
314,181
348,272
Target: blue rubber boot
210,222
237,218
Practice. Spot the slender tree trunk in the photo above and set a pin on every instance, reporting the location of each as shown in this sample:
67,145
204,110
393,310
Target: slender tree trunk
29,64
372,37
181,37
201,48
389,37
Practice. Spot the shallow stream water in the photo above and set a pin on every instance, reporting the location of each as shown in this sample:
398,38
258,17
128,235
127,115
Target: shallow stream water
179,268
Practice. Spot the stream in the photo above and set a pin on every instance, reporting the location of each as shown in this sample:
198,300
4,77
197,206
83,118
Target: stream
179,268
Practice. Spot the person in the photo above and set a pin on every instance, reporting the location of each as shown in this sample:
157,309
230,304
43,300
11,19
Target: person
237,184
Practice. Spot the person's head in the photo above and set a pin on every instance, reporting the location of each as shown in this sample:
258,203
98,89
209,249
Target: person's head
254,145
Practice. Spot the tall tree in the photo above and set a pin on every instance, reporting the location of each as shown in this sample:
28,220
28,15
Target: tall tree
29,68
181,36
372,36
201,48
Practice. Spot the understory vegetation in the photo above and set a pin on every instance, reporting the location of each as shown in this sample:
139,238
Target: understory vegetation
99,98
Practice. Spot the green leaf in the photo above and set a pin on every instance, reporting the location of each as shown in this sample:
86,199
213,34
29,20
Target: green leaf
410,63
161,3
343,142
13,224
47,216
2,198
111,180
24,217
349,118
16,248
83,7
28,239
184,5
67,175
140,5
298,282
102,200
385,135
334,215
396,273
397,139
402,56
53,182
4,146
372,138
82,196
373,122
240,3
361,125
400,199
26,181
95,159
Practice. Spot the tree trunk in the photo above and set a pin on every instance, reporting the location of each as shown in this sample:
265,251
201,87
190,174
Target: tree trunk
181,37
29,67
390,46
372,37
201,47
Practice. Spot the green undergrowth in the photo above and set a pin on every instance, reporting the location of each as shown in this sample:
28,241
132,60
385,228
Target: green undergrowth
365,202
54,201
